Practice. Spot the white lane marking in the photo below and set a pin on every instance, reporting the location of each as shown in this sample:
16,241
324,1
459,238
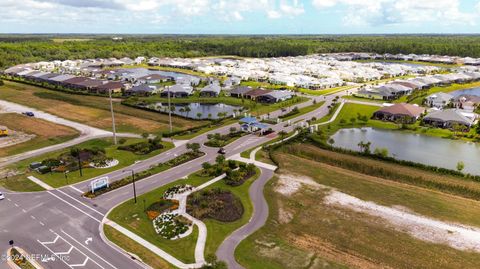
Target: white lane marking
81,264
76,189
24,211
8,199
88,249
41,223
15,204
73,198
33,217
51,242
72,205
65,252
60,258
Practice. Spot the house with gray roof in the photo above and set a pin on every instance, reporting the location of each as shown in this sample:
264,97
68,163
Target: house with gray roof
240,91
448,118
211,90
141,90
177,91
439,100
275,96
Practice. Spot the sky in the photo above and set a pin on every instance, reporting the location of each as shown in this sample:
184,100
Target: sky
240,16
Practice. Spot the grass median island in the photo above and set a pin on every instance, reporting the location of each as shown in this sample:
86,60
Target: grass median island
218,140
98,151
302,229
91,110
45,133
213,204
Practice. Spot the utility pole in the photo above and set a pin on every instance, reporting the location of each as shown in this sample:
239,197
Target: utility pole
133,181
169,111
113,118
79,163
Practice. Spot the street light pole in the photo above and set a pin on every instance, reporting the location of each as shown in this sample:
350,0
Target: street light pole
113,118
133,182
169,111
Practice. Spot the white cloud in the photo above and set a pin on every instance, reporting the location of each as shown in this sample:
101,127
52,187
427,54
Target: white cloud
381,12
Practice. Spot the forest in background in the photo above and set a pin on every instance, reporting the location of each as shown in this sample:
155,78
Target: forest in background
17,49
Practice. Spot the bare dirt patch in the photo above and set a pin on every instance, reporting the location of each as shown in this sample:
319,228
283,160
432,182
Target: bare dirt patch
289,184
455,235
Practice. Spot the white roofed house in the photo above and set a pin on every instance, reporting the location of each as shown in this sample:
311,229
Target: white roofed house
438,100
450,118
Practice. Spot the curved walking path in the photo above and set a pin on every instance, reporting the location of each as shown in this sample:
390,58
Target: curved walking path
226,251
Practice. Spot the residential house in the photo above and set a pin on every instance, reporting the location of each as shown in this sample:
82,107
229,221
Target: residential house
256,93
73,82
449,118
177,91
211,90
114,87
466,102
240,91
439,100
153,78
385,92
141,90
275,96
406,113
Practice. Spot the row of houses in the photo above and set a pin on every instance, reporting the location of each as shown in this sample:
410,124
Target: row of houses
395,89
407,113
436,59
261,95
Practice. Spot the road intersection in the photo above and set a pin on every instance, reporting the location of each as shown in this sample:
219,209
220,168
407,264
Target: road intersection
61,222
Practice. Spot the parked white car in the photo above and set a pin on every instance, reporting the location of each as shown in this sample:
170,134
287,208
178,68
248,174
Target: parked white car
2,196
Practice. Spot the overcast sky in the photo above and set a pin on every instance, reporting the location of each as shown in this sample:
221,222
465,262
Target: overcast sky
240,16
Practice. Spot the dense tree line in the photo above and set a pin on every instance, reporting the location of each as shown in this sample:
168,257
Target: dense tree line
22,49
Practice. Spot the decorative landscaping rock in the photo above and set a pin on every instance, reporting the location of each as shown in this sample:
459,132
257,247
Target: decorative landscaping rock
172,226
106,164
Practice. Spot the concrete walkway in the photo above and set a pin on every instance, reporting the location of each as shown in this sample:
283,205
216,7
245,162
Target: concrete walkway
40,183
239,158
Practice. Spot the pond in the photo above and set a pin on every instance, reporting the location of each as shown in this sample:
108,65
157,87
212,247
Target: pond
417,148
198,110
472,91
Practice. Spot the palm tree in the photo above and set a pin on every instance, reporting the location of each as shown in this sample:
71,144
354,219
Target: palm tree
199,115
187,109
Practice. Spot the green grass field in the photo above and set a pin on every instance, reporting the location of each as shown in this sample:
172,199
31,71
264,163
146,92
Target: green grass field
302,230
125,158
132,217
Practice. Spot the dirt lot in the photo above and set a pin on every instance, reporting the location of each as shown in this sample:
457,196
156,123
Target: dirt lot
42,133
308,227
91,110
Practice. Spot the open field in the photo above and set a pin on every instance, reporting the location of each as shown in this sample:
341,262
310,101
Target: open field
304,232
46,133
91,110
125,158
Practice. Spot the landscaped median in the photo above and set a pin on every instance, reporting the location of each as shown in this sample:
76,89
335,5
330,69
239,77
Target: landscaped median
216,198
194,153
95,157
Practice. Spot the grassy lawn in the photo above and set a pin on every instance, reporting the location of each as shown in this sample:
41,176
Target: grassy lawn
302,230
218,231
125,158
350,111
132,217
304,110
325,91
131,246
355,98
46,133
91,110
454,87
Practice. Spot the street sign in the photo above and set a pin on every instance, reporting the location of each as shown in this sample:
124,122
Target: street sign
99,183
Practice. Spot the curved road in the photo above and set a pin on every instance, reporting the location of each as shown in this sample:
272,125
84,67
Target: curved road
226,251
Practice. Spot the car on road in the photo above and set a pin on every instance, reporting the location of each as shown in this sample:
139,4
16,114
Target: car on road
2,196
29,113
221,151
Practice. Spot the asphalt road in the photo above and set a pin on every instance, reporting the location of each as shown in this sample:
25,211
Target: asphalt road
62,221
